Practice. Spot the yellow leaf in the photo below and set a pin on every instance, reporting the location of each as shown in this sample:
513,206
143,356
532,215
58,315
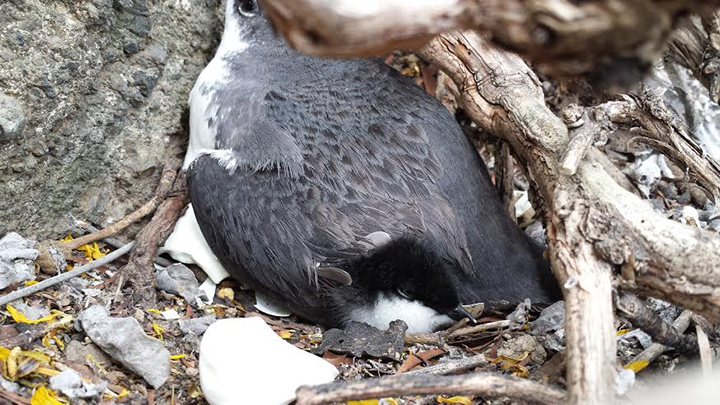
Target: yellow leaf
155,311
11,364
454,400
226,292
4,353
177,356
44,396
18,317
622,332
48,372
158,330
42,358
59,342
92,251
364,402
29,283
285,334
68,238
123,393
637,366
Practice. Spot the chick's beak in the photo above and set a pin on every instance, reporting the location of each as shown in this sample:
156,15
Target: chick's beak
461,313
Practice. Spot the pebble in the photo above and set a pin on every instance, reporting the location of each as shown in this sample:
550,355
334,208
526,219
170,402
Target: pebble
179,280
72,386
12,118
196,326
124,340
17,256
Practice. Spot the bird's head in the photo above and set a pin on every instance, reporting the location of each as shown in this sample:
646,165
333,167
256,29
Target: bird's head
246,25
406,270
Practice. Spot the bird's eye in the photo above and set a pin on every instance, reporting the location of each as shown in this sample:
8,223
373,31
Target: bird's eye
404,294
248,8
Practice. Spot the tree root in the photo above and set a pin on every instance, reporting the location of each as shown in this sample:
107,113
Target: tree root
139,269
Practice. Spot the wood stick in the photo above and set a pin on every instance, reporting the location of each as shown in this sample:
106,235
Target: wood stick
656,349
450,366
650,322
139,270
478,329
24,292
483,384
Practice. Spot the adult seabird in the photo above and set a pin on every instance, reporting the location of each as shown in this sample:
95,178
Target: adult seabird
342,190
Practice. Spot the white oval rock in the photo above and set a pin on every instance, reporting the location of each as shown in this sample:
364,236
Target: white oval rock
242,361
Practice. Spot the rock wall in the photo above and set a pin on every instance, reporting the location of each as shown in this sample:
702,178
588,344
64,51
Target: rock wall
93,102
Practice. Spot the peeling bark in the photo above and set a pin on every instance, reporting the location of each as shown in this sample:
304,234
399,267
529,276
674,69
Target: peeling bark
561,37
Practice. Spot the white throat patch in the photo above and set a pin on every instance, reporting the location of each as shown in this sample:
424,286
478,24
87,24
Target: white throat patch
389,307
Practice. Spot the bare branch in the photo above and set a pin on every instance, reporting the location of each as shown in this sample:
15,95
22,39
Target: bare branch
567,37
485,384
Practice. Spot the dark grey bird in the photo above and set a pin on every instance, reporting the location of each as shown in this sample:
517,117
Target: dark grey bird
342,190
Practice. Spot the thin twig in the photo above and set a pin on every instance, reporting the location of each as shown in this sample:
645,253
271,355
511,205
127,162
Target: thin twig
656,349
450,366
485,384
160,261
434,339
24,292
705,352
582,138
477,329
631,307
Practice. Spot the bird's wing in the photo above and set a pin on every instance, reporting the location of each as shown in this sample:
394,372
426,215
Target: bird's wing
283,194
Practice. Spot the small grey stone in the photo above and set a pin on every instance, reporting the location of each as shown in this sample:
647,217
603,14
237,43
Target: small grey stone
125,341
715,225
518,346
179,280
196,326
31,312
12,118
520,314
643,338
551,318
145,81
17,256
131,48
9,385
71,385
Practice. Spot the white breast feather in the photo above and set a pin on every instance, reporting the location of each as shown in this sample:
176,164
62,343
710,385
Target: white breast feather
418,317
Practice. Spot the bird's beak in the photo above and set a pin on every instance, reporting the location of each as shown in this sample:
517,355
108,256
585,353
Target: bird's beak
461,313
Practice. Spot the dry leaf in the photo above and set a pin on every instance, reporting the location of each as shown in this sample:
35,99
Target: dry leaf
286,334
454,400
637,366
44,396
336,359
413,360
227,293
18,316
